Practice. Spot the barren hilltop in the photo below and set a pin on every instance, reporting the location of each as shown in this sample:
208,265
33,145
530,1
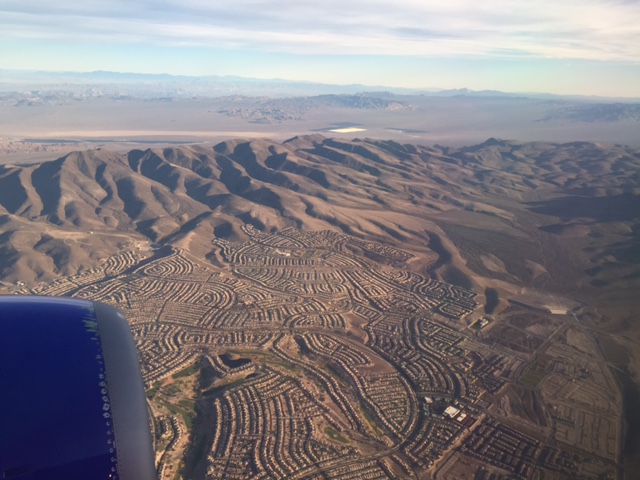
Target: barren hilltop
502,215
505,227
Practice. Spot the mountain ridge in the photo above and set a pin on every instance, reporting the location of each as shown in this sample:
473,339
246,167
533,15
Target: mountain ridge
10,76
456,208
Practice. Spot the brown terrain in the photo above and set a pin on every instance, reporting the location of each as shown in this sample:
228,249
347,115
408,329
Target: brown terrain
500,215
547,235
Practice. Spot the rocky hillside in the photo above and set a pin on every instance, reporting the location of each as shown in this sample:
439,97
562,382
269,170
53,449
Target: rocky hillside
497,216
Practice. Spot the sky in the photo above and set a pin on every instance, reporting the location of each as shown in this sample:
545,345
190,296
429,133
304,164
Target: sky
586,47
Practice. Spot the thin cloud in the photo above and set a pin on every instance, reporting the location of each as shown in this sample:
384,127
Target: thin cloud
594,30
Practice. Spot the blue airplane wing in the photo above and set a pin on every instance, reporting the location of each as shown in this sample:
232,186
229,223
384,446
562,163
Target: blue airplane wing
72,400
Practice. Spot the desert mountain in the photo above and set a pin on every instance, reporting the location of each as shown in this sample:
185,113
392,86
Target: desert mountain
496,217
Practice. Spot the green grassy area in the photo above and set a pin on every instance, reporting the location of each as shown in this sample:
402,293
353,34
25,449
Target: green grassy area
533,376
333,434
220,388
187,404
171,389
151,392
188,419
172,408
246,353
186,415
286,366
372,421
190,370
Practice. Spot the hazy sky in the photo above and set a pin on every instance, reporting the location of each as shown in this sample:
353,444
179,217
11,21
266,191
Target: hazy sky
558,46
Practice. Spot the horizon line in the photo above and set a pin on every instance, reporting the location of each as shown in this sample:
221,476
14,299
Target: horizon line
414,90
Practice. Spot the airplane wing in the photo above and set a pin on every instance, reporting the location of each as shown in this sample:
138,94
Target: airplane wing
72,402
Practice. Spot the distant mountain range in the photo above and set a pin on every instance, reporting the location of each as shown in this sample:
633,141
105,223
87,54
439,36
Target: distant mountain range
154,84
71,107
216,85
